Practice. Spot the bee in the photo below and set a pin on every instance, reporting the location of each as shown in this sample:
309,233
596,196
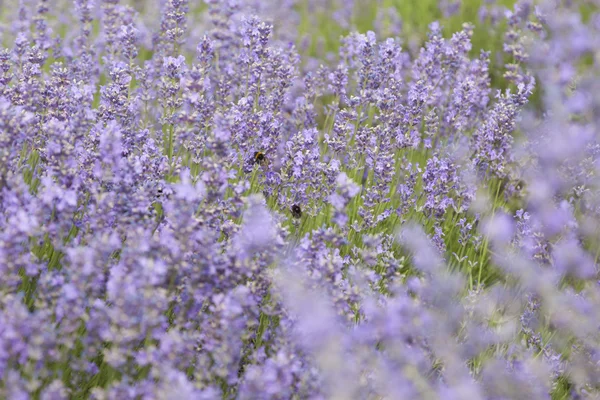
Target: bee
296,211
259,158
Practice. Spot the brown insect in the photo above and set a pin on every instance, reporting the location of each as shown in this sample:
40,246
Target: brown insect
260,158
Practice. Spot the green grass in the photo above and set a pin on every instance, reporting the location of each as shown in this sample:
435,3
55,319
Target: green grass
416,17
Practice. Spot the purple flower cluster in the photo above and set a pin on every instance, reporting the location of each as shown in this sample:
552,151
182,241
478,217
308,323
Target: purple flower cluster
192,208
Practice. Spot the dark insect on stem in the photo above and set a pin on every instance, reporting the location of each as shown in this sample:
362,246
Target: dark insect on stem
296,211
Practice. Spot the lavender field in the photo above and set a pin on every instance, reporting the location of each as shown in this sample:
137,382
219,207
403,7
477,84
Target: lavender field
299,199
